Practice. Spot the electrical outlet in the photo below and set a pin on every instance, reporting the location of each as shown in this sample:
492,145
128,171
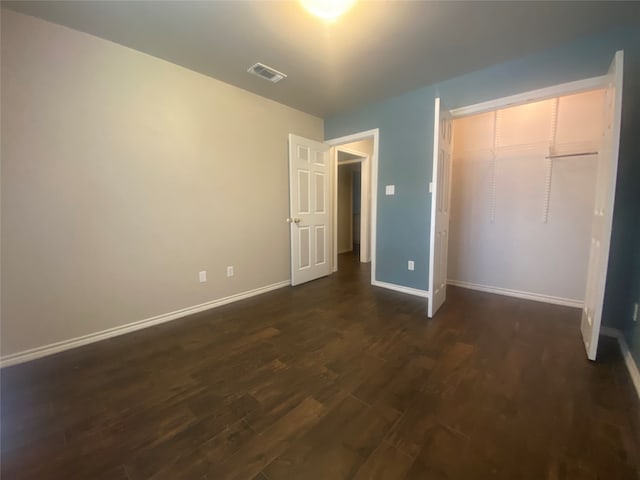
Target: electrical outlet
390,190
410,265
230,271
635,312
202,276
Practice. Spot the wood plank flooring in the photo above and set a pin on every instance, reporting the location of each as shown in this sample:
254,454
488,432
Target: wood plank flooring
334,380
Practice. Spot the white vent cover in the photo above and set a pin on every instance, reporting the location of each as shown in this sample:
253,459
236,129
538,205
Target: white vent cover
267,73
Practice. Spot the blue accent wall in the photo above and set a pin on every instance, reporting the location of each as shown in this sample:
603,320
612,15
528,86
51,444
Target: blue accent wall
406,144
632,330
623,282
403,223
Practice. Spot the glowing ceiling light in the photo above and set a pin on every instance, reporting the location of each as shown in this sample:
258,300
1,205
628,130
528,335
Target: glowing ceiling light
328,9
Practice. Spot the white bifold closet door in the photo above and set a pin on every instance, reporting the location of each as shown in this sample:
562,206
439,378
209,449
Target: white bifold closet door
521,221
440,208
602,214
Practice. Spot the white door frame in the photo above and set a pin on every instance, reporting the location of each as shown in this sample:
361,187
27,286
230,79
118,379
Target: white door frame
559,90
363,156
370,201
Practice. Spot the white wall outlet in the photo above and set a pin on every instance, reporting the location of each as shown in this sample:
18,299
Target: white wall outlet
410,265
390,190
202,276
230,271
635,312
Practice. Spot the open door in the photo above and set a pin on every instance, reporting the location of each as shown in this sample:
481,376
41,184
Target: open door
440,188
310,217
603,210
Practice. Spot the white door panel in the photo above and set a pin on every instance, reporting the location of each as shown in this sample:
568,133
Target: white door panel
309,219
440,203
603,210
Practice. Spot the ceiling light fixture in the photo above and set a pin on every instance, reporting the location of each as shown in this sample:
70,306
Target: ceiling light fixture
328,9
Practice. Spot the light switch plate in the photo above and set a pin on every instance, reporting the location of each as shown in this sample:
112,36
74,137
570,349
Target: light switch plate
202,276
390,190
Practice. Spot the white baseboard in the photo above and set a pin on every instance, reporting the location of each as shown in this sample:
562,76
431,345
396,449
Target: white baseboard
626,354
567,302
52,348
399,288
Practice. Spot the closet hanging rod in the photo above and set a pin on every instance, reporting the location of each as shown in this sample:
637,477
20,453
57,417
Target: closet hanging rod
571,155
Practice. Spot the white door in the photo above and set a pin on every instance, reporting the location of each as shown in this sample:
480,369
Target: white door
603,210
310,219
440,201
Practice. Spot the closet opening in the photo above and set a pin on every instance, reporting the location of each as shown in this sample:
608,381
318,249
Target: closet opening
523,190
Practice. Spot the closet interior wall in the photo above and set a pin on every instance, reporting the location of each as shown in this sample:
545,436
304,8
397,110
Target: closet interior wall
523,190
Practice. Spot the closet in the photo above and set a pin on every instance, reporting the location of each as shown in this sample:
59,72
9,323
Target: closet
523,190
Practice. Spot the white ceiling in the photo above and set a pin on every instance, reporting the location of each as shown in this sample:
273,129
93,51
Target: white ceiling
378,49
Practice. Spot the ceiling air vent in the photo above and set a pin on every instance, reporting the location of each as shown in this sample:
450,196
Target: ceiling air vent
267,73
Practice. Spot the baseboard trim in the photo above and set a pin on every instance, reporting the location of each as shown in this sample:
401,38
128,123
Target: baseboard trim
52,348
632,367
399,288
567,302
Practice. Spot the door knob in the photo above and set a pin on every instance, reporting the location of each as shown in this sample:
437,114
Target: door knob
293,220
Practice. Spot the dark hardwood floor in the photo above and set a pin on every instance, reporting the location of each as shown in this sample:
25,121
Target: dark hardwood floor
332,380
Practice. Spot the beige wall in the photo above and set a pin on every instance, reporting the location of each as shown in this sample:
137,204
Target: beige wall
123,176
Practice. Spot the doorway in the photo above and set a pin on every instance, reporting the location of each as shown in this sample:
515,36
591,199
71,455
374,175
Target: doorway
313,202
348,220
352,224
355,160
